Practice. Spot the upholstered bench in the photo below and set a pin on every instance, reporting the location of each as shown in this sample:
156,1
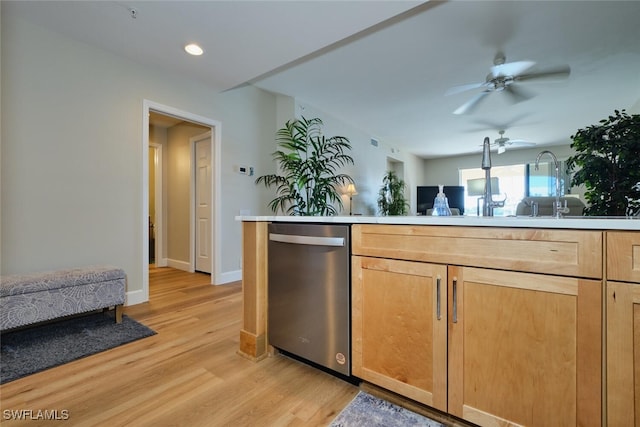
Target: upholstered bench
31,298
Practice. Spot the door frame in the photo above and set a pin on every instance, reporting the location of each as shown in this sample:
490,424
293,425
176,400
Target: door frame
192,201
216,141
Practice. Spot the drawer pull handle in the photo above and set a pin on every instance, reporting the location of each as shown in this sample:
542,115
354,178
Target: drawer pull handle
438,316
455,300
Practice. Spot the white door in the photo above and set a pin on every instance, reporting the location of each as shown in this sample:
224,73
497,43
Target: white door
203,254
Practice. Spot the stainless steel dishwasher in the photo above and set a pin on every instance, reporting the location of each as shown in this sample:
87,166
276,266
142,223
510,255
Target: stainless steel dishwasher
309,293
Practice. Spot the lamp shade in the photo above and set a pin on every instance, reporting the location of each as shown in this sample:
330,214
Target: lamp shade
351,190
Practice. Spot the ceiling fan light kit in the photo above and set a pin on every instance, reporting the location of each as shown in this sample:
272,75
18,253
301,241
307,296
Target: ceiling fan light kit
503,77
503,142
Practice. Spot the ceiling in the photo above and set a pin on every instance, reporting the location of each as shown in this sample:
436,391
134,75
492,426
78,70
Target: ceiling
385,66
164,121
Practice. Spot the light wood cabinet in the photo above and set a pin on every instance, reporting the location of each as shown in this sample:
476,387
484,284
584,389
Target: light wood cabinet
623,256
575,253
399,320
523,338
623,328
253,335
528,335
524,349
623,354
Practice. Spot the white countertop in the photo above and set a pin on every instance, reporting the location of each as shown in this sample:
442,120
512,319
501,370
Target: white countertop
583,223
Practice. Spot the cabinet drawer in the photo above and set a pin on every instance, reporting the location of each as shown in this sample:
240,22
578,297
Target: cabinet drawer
623,256
575,253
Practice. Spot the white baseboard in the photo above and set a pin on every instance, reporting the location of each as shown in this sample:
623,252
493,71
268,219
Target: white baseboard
180,265
225,277
229,276
134,297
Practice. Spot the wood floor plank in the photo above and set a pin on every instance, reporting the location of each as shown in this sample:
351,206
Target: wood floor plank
186,374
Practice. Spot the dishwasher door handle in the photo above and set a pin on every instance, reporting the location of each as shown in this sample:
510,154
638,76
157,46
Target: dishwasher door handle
307,240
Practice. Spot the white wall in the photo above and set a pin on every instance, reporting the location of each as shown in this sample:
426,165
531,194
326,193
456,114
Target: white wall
370,162
72,171
72,152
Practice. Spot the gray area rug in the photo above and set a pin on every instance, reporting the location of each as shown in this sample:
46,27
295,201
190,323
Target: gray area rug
367,410
35,349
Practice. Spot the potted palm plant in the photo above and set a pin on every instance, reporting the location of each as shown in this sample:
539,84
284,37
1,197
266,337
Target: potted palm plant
391,199
608,165
309,182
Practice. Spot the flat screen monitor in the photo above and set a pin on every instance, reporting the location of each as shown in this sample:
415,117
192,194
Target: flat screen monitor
426,195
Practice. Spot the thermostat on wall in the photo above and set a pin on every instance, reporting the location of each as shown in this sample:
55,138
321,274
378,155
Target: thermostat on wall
244,170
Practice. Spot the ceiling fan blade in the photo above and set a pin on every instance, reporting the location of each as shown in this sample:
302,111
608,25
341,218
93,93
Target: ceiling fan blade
511,68
463,88
520,143
557,73
472,103
517,94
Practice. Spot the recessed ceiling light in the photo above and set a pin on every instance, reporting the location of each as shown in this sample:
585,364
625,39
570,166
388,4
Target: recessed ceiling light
194,49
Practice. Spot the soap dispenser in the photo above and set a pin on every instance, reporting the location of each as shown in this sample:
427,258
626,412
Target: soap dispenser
441,204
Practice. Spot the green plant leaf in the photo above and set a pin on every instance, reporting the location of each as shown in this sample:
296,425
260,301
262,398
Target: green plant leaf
391,199
607,163
310,183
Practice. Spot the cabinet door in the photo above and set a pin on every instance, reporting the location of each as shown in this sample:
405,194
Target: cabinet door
623,256
524,349
399,336
623,354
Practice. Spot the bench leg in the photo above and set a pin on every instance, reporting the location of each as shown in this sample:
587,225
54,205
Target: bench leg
118,310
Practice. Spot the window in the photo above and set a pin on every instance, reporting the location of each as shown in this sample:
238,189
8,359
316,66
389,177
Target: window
542,182
510,183
511,186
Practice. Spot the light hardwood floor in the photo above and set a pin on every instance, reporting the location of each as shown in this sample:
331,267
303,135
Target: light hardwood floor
187,375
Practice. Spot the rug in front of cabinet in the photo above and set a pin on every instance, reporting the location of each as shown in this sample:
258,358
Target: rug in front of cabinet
368,411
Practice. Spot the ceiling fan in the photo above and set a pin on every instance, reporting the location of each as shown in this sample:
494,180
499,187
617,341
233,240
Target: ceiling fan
503,142
503,77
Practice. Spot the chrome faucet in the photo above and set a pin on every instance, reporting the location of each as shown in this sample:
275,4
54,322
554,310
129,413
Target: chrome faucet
558,209
489,204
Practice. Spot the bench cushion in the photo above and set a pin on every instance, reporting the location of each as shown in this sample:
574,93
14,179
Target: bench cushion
31,298
18,284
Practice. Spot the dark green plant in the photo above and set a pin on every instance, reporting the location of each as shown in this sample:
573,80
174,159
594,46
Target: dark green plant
608,164
391,199
310,183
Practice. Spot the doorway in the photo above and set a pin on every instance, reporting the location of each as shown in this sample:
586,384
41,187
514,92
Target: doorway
201,190
209,241
155,203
